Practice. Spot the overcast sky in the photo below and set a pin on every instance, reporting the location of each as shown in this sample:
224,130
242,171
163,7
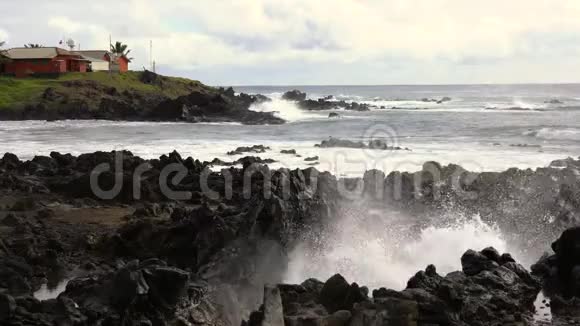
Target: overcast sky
299,42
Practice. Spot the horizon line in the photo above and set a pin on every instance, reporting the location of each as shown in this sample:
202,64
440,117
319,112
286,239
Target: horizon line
367,85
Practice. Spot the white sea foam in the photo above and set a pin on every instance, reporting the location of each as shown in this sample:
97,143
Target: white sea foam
517,104
286,110
555,133
376,254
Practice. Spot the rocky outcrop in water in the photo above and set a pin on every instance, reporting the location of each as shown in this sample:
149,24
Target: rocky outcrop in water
345,143
294,95
559,273
322,104
200,107
490,290
249,149
560,270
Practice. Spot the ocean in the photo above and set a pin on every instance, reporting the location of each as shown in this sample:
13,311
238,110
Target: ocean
482,127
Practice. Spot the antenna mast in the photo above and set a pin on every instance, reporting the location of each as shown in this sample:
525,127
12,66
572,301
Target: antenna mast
110,56
151,56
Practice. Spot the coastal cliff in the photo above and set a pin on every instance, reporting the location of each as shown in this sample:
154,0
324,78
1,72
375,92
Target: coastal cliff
132,96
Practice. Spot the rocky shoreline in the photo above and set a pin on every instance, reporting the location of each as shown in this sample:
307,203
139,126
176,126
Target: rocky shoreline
190,101
146,256
90,99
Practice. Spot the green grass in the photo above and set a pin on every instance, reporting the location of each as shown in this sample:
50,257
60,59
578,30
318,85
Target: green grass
17,92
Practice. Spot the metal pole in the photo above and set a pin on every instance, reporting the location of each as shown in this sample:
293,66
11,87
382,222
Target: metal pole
110,56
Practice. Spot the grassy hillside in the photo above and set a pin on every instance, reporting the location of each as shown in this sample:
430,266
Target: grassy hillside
16,92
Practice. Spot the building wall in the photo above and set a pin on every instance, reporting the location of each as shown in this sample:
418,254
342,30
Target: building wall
100,66
123,64
77,66
26,67
120,65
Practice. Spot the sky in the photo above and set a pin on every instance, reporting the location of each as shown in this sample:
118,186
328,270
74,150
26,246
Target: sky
319,42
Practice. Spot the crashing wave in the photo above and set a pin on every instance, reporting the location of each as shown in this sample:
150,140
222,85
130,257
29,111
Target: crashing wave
554,133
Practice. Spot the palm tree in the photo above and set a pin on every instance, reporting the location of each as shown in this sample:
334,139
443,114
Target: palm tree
33,45
120,49
3,56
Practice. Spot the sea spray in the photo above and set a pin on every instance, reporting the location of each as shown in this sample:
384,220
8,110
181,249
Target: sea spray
388,256
286,110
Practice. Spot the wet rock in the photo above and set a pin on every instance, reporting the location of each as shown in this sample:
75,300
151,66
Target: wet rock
148,210
474,262
311,159
24,204
45,213
7,306
167,284
428,279
15,274
492,254
337,142
273,311
334,115
294,95
561,272
339,318
145,291
207,107
337,294
288,151
388,311
9,161
506,258
431,270
444,99
526,145
564,163
250,149
63,159
12,220
345,143
252,160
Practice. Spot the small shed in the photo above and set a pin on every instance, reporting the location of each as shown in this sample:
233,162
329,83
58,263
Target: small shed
103,60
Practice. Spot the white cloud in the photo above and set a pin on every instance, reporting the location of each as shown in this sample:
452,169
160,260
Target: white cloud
65,24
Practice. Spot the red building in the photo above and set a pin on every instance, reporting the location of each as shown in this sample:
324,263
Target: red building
104,60
30,61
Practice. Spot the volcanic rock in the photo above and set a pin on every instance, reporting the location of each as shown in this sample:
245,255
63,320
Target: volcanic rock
294,95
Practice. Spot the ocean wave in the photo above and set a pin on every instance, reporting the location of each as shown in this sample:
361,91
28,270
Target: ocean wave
517,105
567,108
286,110
554,133
514,108
387,257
